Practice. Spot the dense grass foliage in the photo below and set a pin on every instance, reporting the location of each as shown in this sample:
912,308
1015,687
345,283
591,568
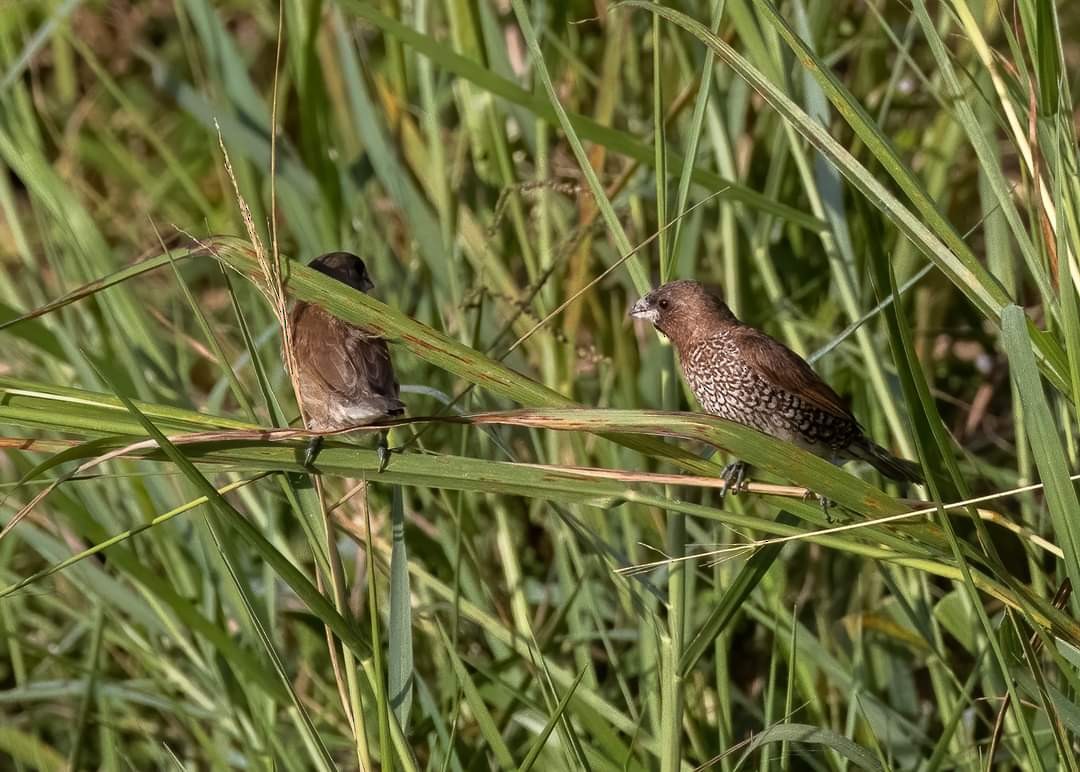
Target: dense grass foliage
546,576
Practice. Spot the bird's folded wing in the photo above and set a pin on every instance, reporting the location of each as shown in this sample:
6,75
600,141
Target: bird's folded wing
351,362
370,358
786,370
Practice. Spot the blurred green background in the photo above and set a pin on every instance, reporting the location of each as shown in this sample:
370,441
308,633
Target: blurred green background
889,188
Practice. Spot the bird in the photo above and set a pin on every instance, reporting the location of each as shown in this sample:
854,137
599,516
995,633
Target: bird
344,375
741,374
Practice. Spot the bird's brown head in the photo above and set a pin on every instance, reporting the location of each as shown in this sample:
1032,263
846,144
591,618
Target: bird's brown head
345,267
680,309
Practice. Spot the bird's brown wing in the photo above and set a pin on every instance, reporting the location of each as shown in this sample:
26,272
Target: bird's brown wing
352,362
785,369
370,357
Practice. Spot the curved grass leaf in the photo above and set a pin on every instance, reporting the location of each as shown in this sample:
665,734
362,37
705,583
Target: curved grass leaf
934,442
970,276
812,735
76,409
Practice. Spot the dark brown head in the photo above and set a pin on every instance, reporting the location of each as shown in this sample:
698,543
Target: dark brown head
681,309
345,267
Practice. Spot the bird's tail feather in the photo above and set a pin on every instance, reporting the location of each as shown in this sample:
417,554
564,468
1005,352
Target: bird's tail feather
891,466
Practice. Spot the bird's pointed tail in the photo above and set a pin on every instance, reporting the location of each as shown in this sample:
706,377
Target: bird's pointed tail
893,467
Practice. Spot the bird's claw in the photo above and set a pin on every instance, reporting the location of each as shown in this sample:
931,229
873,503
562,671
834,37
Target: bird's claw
383,451
824,502
734,477
312,452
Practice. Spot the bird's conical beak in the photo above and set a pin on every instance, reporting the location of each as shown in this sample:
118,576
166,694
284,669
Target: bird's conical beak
643,309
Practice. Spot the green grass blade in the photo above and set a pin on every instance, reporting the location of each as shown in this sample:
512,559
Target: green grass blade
400,658
1043,434
553,720
811,735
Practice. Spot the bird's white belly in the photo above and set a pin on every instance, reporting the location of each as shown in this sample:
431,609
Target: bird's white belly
355,414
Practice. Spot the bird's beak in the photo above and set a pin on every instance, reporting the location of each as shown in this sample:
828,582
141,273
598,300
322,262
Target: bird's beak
644,309
367,285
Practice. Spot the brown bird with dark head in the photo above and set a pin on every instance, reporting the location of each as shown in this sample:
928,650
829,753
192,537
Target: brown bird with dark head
741,374
343,372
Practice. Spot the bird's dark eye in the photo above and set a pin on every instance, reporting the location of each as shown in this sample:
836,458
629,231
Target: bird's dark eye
664,303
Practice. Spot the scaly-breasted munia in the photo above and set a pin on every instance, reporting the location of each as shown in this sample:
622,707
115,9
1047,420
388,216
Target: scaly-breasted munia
741,374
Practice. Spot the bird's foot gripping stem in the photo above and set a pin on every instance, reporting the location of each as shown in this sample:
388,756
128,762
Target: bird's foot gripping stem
734,477
825,504
384,451
313,447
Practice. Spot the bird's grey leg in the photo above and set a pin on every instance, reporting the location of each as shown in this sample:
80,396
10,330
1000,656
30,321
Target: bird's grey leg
383,451
313,447
823,502
734,476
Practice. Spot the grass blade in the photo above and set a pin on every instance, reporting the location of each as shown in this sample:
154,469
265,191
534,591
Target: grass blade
400,658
